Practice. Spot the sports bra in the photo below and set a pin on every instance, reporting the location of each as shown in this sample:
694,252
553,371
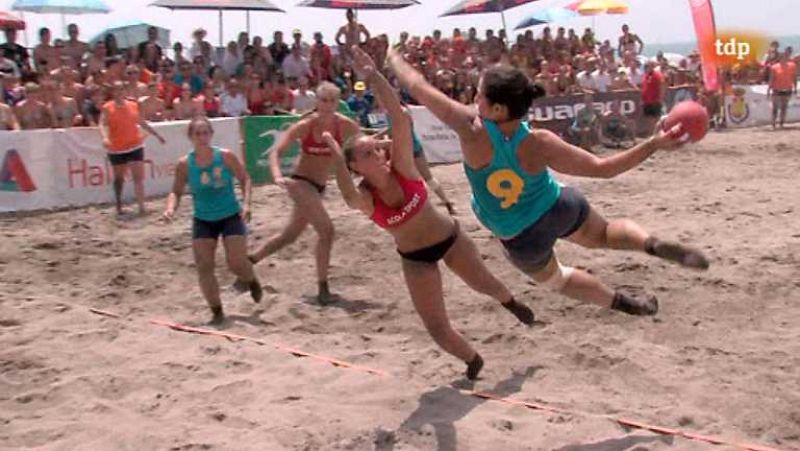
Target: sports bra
415,194
311,146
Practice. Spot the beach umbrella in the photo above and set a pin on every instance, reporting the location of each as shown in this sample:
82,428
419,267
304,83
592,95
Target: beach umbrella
10,22
355,5
484,6
358,4
220,5
130,33
595,7
62,7
546,16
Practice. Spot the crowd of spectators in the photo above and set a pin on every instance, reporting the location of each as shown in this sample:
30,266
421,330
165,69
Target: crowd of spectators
65,82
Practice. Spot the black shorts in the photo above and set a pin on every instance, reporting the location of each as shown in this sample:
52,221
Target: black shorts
118,159
531,250
432,254
319,188
230,226
653,110
782,92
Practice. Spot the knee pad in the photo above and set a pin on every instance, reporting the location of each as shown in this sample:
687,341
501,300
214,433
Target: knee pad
559,279
433,184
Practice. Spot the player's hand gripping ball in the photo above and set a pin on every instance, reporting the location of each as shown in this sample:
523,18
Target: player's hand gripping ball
692,117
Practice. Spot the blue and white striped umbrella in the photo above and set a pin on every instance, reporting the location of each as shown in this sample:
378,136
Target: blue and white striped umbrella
548,15
61,6
130,33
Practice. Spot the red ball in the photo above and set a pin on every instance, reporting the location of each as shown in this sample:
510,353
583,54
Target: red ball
692,116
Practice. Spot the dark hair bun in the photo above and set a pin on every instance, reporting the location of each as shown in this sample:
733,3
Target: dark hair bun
537,90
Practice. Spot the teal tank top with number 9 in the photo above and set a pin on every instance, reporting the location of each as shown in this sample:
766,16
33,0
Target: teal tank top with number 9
212,187
506,198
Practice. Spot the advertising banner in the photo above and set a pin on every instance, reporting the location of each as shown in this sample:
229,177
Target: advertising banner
439,142
558,113
749,106
261,133
69,167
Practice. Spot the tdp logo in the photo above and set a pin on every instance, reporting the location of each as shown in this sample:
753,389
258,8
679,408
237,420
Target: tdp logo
13,175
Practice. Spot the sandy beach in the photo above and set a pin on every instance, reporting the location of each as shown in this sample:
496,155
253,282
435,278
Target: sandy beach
722,358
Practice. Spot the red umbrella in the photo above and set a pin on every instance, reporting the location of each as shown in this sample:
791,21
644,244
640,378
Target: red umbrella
8,21
358,4
484,6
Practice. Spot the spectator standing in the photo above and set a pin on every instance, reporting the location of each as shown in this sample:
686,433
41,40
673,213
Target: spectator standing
321,60
296,65
588,40
278,49
150,51
44,54
629,41
74,48
15,52
231,60
112,48
297,39
350,34
242,43
653,92
201,47
262,58
177,53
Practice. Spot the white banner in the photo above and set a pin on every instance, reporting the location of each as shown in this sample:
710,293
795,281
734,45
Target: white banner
69,167
439,141
749,106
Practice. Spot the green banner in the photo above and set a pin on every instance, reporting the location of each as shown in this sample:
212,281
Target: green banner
260,134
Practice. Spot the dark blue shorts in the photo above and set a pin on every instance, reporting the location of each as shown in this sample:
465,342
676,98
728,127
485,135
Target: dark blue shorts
117,159
531,250
230,226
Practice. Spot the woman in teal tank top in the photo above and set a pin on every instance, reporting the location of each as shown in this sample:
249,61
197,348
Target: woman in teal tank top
516,197
209,172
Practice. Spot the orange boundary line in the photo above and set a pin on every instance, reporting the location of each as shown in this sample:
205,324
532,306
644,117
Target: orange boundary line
293,351
478,394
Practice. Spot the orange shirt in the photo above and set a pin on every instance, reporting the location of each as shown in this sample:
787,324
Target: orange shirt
123,126
784,76
145,76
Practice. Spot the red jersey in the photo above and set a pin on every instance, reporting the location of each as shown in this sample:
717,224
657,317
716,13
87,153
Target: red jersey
651,88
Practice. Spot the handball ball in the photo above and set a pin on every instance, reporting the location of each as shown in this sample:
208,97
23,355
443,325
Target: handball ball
692,116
